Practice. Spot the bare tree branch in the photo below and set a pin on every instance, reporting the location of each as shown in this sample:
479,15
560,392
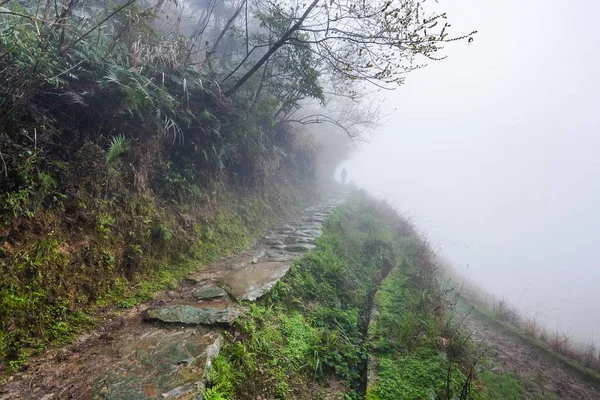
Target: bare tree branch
115,12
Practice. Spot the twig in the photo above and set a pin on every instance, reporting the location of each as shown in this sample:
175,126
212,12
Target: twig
4,167
67,70
130,2
17,14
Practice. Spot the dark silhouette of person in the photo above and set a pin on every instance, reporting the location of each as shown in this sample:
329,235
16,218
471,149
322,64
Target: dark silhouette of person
344,175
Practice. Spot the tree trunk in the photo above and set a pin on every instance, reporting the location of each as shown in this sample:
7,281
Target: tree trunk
226,28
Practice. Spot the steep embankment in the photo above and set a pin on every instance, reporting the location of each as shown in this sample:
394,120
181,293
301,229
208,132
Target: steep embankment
61,269
525,368
91,219
122,169
162,348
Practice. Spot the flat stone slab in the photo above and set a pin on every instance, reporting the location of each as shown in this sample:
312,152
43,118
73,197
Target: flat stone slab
299,247
299,239
159,364
314,233
210,291
253,281
210,314
278,255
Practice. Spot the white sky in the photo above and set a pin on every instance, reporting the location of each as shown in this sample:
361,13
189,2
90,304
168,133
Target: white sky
495,154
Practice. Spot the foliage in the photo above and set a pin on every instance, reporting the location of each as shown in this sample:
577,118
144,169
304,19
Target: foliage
373,43
120,160
410,363
503,386
118,145
121,166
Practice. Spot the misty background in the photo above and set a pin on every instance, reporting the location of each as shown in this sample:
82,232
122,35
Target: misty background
495,154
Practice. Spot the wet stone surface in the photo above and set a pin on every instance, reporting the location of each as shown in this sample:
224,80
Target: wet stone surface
299,247
274,254
210,291
159,363
246,277
205,314
299,239
255,280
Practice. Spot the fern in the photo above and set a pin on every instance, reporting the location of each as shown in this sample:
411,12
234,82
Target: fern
118,145
213,394
167,124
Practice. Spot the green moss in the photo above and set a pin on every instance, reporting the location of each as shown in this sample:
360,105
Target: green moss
300,337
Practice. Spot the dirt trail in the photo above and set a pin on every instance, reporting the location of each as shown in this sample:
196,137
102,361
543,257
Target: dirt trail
132,358
542,374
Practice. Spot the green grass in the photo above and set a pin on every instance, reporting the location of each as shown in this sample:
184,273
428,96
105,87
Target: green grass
308,331
410,364
504,386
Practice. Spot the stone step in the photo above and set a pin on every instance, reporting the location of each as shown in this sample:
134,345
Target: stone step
208,292
253,281
160,363
209,313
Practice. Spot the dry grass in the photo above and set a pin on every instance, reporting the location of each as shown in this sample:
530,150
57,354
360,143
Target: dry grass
586,354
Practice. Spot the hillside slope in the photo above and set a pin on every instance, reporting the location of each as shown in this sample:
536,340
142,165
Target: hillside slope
139,356
364,314
538,372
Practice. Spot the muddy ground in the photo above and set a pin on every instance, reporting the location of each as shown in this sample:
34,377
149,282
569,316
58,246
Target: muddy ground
542,374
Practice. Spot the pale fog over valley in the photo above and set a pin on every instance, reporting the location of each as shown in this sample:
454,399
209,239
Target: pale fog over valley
494,153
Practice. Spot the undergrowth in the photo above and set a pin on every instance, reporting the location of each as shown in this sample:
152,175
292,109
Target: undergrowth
59,271
307,339
413,356
122,166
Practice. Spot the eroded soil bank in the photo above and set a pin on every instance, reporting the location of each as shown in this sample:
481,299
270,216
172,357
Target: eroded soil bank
164,347
541,375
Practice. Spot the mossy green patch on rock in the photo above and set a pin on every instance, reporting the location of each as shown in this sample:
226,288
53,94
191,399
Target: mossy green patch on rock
195,315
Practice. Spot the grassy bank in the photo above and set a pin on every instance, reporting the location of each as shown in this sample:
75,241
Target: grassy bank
306,340
55,282
489,319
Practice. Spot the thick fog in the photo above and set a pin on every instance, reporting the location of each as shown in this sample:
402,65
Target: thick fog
495,154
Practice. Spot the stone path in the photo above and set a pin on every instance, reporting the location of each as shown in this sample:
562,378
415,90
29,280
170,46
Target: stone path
163,349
